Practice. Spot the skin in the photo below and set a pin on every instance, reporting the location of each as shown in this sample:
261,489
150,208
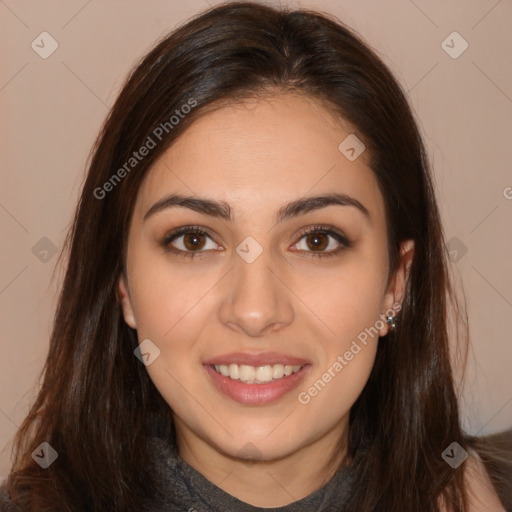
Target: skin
482,495
257,156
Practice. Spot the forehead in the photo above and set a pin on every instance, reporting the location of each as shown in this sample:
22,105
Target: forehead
257,154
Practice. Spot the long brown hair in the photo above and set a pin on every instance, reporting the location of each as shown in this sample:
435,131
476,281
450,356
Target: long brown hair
97,405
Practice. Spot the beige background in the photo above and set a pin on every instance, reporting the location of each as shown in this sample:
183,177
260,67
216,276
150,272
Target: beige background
52,110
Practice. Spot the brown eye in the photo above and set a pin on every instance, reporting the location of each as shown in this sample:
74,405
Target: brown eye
317,241
189,241
193,241
322,241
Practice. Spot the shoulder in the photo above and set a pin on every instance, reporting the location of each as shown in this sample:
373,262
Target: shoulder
6,505
482,496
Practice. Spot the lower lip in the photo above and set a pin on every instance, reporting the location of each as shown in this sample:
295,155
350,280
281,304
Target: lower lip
256,394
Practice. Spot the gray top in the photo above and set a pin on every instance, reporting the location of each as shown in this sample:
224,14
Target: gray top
182,488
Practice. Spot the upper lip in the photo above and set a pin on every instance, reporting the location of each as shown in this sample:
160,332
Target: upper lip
256,359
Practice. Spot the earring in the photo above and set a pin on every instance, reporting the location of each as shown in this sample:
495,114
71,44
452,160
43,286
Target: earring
391,321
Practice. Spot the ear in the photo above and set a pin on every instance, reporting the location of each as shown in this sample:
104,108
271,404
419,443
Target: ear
395,293
124,298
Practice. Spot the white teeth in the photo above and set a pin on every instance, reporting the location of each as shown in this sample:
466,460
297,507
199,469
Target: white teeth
256,375
247,372
234,372
277,371
222,368
264,373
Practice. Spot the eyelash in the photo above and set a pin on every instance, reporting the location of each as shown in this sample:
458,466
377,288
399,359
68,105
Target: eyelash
318,229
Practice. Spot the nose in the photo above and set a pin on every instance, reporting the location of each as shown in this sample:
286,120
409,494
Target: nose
257,300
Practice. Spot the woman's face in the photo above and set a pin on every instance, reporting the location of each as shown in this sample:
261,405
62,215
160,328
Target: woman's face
246,295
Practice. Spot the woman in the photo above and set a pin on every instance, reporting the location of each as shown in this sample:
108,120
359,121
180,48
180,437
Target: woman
254,313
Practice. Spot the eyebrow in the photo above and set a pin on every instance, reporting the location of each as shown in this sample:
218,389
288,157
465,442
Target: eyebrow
222,210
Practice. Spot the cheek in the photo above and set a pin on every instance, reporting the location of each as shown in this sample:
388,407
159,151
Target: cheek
172,305
327,398
350,305
169,298
347,300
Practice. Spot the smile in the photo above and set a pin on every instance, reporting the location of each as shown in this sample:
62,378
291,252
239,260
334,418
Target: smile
256,375
257,383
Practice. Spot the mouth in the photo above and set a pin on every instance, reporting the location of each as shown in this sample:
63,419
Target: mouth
256,379
256,374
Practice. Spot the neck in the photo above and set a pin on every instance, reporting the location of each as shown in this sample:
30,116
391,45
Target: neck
272,482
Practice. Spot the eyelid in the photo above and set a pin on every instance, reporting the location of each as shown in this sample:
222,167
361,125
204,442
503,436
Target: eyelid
326,229
329,230
175,233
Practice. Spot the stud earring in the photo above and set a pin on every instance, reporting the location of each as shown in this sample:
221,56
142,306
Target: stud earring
391,321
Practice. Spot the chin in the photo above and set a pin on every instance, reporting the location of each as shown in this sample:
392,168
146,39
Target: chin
258,446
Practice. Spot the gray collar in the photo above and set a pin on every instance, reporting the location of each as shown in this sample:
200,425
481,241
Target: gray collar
181,487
